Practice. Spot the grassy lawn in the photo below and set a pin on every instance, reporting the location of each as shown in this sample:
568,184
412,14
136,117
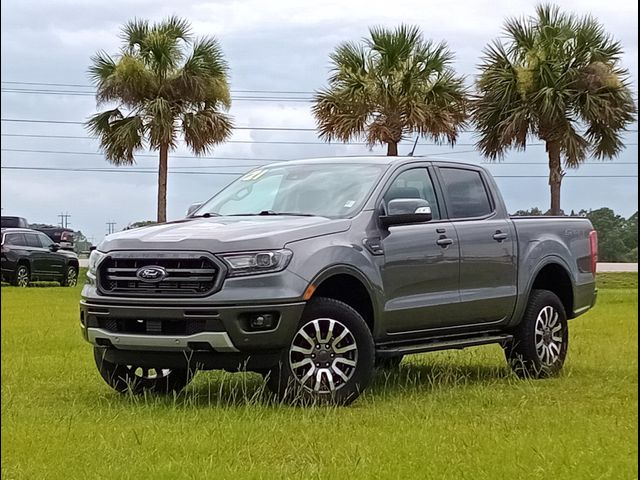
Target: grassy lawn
456,415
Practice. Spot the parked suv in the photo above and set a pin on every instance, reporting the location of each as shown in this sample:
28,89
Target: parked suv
29,255
313,272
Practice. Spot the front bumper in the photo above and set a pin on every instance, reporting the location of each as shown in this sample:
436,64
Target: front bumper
222,329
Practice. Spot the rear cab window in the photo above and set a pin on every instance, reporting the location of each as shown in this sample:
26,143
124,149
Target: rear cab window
466,193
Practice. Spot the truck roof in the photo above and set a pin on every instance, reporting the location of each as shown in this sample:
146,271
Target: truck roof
369,159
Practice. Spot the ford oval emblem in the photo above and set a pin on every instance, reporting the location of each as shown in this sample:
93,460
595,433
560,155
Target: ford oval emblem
151,273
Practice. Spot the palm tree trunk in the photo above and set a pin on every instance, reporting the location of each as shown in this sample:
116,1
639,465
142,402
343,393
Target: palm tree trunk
392,149
162,183
555,175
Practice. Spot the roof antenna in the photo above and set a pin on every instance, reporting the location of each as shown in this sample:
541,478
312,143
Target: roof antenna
414,147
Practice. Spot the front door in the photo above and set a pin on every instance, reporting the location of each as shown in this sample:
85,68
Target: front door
54,261
421,261
488,264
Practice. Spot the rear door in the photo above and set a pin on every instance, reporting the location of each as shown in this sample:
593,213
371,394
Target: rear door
40,262
420,272
488,263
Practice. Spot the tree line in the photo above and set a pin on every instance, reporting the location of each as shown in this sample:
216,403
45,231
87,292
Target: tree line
555,76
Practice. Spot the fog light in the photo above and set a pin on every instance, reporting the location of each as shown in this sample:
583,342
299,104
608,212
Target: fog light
261,321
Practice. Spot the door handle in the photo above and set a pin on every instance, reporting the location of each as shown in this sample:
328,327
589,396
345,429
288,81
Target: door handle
444,242
499,236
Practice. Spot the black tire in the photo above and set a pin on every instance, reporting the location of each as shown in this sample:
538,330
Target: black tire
129,378
389,363
540,342
22,276
340,364
70,278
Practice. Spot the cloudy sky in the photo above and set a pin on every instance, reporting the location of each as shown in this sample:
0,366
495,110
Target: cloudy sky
271,46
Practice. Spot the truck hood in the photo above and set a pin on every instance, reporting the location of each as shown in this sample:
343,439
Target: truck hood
224,234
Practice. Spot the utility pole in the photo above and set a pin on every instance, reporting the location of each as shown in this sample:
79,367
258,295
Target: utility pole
64,219
111,227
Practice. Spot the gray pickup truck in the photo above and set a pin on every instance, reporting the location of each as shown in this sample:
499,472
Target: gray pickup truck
315,272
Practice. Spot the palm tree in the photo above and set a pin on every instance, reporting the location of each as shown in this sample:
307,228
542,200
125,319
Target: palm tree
391,85
163,81
558,77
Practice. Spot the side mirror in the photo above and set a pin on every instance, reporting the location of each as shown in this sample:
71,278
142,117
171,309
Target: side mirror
193,207
54,247
406,210
92,248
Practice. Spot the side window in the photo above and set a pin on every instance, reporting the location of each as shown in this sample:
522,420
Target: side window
414,183
15,239
45,241
466,193
32,240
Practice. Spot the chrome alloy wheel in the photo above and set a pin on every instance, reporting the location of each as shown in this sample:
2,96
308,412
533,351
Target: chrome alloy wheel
22,276
72,277
323,355
548,335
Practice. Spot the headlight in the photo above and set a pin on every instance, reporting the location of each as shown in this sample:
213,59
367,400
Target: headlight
94,260
252,263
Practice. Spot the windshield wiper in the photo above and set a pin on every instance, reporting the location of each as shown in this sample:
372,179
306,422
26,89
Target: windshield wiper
265,213
205,215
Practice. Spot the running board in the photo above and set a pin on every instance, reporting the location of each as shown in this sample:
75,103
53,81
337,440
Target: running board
441,344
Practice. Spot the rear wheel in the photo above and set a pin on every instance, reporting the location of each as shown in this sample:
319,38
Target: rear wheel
540,343
70,277
22,276
135,379
330,358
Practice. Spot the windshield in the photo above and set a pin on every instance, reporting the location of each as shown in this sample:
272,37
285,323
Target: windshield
327,190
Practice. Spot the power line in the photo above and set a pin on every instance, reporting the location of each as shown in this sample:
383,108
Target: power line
87,94
69,122
255,159
108,170
59,152
269,142
76,85
288,129
272,142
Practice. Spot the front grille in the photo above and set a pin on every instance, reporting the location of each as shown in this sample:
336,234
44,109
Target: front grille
156,327
188,275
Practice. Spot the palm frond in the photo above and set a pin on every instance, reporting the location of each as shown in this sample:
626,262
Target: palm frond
391,85
134,33
120,137
205,128
160,120
554,70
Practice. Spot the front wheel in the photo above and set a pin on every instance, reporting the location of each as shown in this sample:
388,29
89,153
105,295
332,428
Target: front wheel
540,342
329,360
22,277
70,277
135,379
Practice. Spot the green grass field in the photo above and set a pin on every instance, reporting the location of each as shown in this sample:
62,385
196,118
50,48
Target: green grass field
458,415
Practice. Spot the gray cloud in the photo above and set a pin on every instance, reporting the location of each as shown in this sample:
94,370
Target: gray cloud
280,45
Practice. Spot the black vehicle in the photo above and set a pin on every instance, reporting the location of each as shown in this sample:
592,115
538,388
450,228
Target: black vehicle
31,255
60,235
14,222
